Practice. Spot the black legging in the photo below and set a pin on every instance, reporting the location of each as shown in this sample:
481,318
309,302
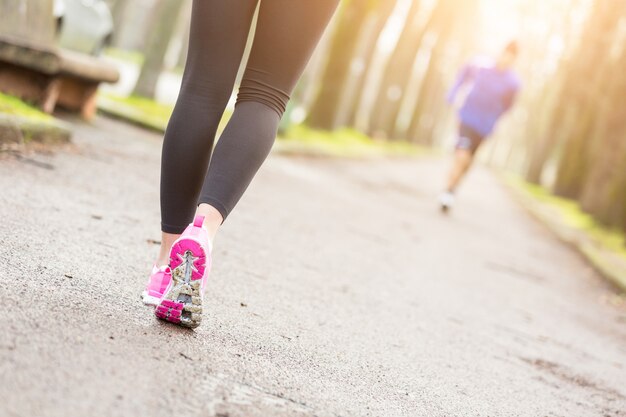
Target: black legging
287,32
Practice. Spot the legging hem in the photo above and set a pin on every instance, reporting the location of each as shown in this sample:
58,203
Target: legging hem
216,204
176,230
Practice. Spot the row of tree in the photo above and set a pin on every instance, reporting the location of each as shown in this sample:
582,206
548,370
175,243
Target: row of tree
568,130
587,123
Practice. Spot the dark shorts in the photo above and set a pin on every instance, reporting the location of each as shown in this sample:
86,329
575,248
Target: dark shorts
469,139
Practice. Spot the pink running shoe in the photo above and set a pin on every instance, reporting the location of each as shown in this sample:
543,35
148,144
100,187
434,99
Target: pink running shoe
190,261
157,284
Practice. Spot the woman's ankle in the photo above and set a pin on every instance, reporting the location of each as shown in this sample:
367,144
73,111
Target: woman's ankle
167,240
162,260
212,219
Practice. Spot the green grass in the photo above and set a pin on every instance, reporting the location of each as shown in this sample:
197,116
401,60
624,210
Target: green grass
33,124
572,216
142,111
133,57
139,110
297,139
344,143
16,107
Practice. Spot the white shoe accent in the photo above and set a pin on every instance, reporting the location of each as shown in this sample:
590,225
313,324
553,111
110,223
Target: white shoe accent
149,300
446,200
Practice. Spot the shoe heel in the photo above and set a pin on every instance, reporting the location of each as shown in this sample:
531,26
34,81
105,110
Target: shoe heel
191,252
182,302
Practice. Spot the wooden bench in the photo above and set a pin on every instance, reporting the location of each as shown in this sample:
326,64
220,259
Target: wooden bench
51,77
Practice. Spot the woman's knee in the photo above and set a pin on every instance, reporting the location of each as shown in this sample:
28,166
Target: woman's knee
264,93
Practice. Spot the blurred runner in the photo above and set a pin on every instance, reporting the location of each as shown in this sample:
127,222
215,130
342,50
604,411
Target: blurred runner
492,90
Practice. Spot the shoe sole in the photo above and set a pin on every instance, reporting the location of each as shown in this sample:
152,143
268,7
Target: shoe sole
149,300
182,302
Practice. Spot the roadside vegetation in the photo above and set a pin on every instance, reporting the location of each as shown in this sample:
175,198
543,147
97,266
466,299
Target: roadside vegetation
21,123
13,106
294,139
604,246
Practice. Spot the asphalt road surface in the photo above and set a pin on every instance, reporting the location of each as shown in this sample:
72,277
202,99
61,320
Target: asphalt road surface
338,289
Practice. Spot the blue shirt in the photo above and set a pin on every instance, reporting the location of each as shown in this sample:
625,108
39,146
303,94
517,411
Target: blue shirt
492,92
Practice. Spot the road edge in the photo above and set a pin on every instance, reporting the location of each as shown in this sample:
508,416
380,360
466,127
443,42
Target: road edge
25,130
609,264
282,146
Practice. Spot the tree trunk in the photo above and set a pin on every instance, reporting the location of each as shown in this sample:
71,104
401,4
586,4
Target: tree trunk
421,126
366,59
590,64
541,144
398,72
165,23
326,105
179,40
452,21
134,22
182,54
545,100
118,10
604,191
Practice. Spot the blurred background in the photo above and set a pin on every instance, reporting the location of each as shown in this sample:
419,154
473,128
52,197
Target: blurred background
381,74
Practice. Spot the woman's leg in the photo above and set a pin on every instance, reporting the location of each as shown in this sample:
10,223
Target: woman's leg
219,30
286,35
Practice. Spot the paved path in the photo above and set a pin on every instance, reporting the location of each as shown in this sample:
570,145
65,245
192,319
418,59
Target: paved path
338,290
